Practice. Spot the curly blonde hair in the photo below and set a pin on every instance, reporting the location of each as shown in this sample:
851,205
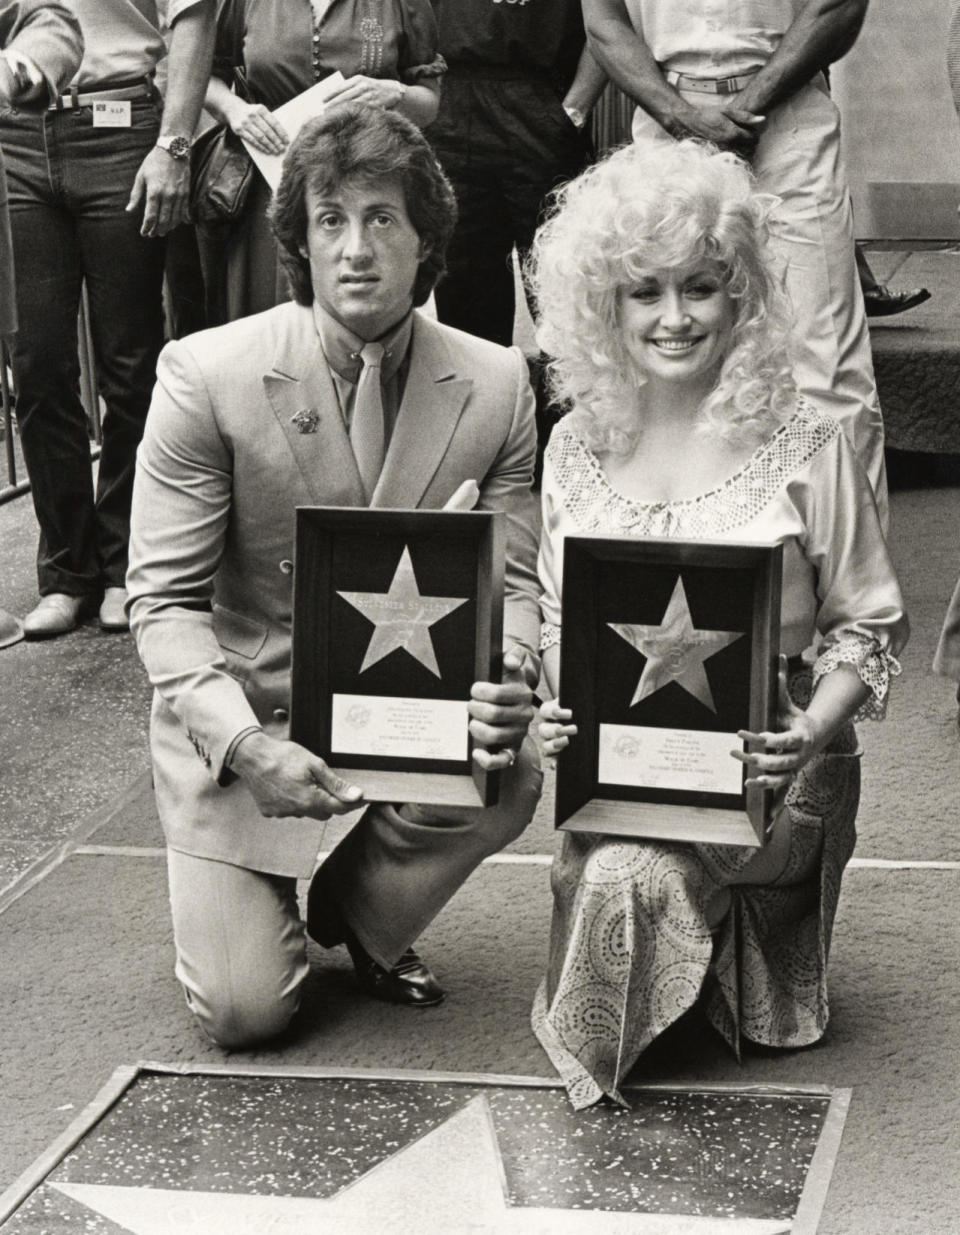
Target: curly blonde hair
659,205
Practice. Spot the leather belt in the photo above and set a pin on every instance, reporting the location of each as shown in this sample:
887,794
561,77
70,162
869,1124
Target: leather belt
709,85
143,89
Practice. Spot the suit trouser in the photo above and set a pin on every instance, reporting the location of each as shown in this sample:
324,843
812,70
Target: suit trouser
241,945
799,159
69,182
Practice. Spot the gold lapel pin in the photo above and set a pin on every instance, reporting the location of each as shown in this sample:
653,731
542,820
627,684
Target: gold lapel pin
306,421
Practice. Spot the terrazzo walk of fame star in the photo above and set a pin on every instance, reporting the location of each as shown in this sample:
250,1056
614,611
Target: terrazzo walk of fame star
234,1152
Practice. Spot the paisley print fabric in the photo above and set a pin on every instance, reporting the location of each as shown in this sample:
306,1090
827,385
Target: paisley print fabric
640,928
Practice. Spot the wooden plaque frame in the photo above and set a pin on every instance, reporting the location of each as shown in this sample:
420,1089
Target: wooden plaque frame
453,554
729,587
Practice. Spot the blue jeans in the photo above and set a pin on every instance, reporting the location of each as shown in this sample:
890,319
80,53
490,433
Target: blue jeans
68,186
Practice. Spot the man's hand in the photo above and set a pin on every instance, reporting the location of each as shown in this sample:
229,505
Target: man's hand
750,123
732,127
500,715
162,187
286,779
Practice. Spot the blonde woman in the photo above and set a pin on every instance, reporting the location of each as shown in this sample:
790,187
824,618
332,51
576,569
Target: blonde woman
657,299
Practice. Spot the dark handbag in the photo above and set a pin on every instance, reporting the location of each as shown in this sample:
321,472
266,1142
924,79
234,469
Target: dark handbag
221,173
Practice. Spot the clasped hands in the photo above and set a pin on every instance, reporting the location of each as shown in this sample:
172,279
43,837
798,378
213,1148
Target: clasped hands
286,779
732,127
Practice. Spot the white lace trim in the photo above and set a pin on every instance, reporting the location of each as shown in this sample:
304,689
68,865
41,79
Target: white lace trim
595,506
549,635
874,666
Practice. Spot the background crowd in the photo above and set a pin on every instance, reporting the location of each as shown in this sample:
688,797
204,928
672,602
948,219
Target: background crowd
100,189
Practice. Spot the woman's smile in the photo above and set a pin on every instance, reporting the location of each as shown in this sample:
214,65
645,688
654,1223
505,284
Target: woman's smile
676,345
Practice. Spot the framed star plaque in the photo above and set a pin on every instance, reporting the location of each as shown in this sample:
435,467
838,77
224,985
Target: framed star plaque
669,648
396,614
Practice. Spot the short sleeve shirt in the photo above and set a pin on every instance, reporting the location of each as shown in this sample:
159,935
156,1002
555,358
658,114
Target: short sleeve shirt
712,38
276,43
122,39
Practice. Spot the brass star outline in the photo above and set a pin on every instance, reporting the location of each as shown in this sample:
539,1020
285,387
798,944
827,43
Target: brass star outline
458,1165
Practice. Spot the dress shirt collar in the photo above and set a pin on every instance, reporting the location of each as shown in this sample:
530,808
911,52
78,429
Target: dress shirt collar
342,347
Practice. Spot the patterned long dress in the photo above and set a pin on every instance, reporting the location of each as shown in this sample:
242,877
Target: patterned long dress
641,928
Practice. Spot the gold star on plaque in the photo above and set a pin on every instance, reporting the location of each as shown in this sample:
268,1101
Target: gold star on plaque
402,617
675,650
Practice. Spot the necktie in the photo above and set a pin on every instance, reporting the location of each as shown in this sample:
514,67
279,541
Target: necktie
366,426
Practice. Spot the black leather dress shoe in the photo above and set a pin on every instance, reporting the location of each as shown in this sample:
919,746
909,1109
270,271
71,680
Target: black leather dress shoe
882,302
409,982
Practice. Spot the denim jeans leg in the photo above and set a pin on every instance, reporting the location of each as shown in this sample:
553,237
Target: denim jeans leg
124,277
53,428
69,186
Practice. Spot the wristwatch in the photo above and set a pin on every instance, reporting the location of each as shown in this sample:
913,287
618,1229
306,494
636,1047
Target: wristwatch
176,145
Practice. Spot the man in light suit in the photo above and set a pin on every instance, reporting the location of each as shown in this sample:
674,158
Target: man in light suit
249,421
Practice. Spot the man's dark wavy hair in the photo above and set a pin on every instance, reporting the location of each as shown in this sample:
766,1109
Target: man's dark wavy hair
357,142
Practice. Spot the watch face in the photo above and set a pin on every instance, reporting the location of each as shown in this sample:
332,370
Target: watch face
177,147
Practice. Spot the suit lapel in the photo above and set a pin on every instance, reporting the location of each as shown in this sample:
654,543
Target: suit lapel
301,393
433,400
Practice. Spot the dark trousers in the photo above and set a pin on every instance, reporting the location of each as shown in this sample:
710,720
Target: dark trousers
504,143
69,183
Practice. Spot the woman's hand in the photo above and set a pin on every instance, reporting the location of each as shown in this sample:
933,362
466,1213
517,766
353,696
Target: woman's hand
374,91
554,727
256,125
799,738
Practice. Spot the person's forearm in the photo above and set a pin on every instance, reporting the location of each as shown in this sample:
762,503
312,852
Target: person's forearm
550,664
628,61
587,85
219,99
420,103
838,697
191,56
822,32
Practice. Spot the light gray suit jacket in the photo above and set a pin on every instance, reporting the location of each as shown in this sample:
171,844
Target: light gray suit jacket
220,471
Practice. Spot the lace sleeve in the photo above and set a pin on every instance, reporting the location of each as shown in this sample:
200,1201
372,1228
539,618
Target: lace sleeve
549,635
874,666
